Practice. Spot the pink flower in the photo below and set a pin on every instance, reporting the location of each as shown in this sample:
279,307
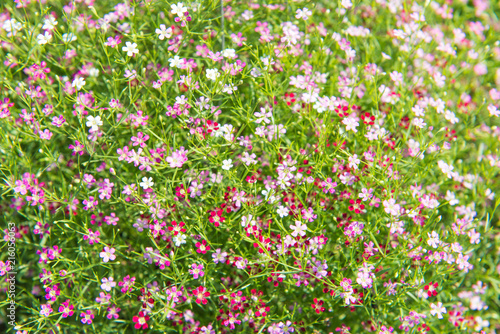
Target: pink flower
178,158
46,310
66,309
87,317
196,270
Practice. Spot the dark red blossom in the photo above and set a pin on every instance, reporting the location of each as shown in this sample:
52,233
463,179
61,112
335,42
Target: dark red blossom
317,305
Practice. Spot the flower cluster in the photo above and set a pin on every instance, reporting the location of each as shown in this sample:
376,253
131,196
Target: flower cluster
253,166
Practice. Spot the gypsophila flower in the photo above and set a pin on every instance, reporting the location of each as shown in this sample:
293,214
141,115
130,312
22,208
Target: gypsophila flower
350,124
68,38
87,317
391,207
12,27
254,166
163,32
303,13
213,74
49,23
107,254
196,270
227,164
107,284
218,256
433,240
78,83
147,183
176,62
44,38
130,48
179,240
438,310
94,122
282,211
45,310
178,9
299,229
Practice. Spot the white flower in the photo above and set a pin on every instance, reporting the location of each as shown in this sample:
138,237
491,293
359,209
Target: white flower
78,83
450,116
354,161
93,72
439,79
247,220
438,309
49,23
346,4
255,72
480,323
147,183
107,284
44,39
12,27
164,32
227,164
178,9
419,122
107,254
94,122
489,194
445,168
267,62
433,241
494,111
303,13
298,229
229,89
229,53
130,49
282,211
450,197
213,74
179,239
68,38
176,62
263,116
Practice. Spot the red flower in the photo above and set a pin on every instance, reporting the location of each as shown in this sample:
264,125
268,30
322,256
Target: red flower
318,306
289,98
177,227
181,192
423,329
201,293
141,321
431,289
202,247
275,278
356,205
262,310
216,217
405,122
368,118
211,126
455,318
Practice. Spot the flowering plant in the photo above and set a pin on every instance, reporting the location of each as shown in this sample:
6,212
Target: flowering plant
209,167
